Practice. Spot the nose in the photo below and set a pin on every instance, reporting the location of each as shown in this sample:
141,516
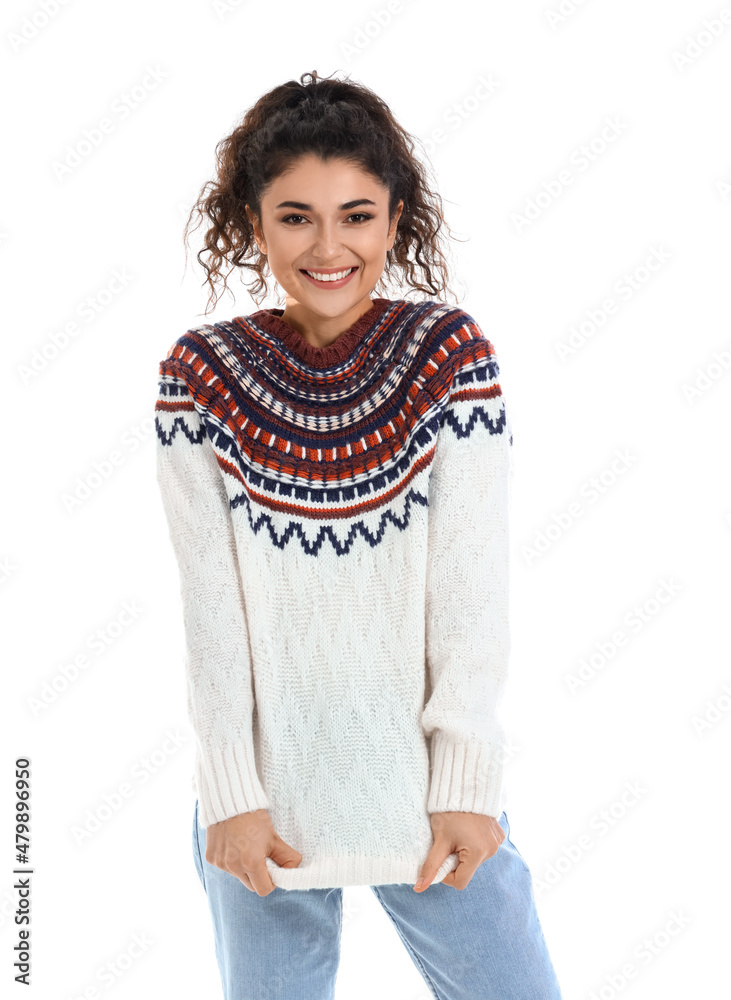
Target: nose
326,245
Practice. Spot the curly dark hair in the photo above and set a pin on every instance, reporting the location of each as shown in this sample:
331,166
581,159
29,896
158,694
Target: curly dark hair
331,118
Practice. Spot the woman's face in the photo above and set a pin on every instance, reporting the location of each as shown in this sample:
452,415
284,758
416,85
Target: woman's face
326,216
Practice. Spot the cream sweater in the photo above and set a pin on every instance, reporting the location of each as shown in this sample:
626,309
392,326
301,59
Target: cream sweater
339,517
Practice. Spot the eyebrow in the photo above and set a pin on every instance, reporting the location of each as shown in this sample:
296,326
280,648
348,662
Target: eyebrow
308,208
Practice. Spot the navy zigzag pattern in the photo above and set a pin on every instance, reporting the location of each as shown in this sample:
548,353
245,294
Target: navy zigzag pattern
341,546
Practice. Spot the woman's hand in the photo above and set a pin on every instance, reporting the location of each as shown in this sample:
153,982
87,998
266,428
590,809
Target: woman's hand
241,844
475,838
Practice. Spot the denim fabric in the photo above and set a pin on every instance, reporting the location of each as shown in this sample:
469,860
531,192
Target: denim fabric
484,942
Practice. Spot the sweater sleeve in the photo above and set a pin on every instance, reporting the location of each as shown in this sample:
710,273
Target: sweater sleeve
467,588
218,673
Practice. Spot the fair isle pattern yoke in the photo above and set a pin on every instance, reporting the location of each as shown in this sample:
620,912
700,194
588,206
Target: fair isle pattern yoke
340,521
269,432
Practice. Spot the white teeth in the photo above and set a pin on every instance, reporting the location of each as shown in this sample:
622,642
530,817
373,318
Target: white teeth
330,277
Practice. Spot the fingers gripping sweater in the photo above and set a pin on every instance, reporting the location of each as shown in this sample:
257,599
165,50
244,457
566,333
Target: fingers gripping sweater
339,517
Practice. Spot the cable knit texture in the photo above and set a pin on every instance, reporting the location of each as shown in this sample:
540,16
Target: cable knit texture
339,517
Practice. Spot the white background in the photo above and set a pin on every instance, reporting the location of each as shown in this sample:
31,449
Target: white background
646,557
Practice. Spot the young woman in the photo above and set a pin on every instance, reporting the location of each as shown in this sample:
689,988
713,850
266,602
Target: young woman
335,476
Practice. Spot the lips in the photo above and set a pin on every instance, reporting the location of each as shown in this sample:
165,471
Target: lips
328,283
328,270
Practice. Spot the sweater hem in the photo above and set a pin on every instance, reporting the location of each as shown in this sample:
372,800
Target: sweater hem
331,872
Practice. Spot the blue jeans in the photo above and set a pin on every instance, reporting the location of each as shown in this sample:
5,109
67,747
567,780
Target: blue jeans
483,942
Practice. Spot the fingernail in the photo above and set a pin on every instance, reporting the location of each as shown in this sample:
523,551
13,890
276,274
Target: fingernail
419,884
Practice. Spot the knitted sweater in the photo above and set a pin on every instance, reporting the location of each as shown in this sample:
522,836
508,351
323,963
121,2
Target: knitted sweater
339,518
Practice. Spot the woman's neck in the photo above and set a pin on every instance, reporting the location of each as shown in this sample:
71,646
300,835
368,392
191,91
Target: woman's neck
321,331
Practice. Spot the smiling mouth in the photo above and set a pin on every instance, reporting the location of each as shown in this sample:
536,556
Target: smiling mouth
331,276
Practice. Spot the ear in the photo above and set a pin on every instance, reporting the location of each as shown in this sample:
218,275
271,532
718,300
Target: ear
258,232
394,224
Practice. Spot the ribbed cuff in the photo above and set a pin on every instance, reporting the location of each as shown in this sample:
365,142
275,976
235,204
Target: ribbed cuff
466,777
227,784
